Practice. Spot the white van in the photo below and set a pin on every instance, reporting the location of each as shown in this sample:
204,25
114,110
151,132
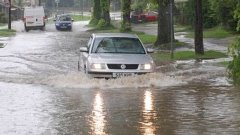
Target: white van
34,18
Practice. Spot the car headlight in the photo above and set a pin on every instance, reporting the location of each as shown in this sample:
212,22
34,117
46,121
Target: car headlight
57,24
70,24
98,66
145,66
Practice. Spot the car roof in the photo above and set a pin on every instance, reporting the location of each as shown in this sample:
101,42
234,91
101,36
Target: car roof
114,35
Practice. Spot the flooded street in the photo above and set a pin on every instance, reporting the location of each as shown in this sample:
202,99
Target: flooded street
42,93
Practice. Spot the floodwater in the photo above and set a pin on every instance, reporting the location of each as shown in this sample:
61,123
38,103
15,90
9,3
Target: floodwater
42,93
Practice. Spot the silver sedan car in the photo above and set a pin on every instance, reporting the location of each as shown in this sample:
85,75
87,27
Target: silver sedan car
113,55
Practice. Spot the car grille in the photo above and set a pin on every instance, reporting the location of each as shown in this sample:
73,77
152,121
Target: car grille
119,66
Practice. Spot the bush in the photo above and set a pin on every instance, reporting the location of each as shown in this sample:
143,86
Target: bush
101,23
234,65
93,21
3,18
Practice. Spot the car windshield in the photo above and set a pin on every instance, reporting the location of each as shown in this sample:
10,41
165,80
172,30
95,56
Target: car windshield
64,18
118,45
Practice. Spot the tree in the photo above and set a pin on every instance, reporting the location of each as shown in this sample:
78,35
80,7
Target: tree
237,15
126,22
224,11
96,13
198,39
164,28
105,16
234,51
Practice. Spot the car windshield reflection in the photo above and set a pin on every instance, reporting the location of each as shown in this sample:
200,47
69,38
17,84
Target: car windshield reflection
118,45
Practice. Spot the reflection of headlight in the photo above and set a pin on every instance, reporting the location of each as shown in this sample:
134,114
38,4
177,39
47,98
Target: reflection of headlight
98,66
145,66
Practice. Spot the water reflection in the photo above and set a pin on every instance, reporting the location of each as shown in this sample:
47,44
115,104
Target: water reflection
149,115
98,118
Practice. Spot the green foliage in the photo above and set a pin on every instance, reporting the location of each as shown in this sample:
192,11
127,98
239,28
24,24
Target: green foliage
208,15
139,5
237,15
93,21
126,23
224,11
96,13
215,12
105,5
234,65
125,27
101,23
3,18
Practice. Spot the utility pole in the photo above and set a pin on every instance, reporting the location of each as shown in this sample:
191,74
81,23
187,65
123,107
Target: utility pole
9,15
198,38
82,8
172,28
39,2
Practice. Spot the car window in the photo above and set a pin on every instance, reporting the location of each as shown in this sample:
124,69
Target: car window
118,45
89,42
64,18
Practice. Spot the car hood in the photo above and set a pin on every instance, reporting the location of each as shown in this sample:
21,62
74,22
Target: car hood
60,22
120,58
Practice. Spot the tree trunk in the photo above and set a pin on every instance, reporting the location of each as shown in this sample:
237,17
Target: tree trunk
105,4
126,22
164,29
96,13
198,39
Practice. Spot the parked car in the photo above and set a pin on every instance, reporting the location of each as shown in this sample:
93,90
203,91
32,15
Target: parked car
34,18
112,55
63,22
149,16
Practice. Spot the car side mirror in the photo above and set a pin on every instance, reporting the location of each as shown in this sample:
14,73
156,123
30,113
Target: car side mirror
150,50
72,20
83,49
54,20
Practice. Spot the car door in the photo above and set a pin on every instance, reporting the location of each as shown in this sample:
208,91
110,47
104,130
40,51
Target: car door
84,55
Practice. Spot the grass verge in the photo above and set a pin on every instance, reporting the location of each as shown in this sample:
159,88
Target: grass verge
6,32
186,55
216,32
80,18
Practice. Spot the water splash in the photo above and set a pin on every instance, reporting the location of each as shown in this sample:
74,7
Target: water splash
80,80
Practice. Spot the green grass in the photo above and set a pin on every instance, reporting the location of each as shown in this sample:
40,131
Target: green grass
80,18
216,32
1,45
7,33
147,39
186,55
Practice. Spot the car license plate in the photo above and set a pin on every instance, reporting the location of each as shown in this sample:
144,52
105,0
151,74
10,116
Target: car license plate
118,75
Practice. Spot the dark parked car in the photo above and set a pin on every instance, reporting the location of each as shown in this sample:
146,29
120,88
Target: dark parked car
63,22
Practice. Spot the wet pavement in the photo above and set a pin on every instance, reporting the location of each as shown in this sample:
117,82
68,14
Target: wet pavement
42,93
